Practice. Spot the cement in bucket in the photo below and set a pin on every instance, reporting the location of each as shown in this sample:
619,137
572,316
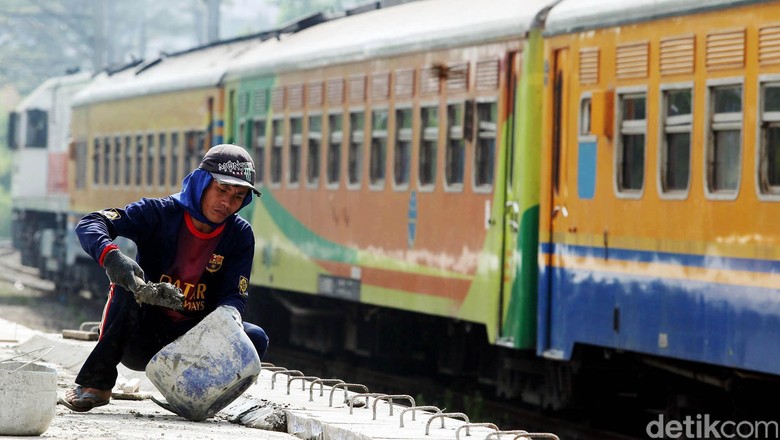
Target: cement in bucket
208,367
28,393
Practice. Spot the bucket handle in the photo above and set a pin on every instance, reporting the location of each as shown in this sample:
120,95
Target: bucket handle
48,348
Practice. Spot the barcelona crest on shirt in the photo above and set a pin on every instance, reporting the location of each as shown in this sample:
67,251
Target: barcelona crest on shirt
215,262
109,214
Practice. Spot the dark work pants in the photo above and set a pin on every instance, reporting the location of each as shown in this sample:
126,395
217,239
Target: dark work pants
133,334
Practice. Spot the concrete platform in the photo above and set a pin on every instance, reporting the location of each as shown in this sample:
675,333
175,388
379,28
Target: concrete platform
312,409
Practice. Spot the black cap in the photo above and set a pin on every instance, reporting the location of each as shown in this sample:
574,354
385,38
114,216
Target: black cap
230,164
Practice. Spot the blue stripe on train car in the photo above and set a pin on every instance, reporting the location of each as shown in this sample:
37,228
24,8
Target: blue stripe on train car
722,324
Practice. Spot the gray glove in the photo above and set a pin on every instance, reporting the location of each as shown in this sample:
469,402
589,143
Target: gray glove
123,270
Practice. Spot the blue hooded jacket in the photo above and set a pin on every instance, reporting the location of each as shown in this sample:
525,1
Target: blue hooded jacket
153,224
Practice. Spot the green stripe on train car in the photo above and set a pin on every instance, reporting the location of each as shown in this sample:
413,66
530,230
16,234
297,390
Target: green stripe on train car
304,239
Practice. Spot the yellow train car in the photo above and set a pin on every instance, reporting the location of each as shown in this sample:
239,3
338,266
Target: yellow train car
661,183
137,131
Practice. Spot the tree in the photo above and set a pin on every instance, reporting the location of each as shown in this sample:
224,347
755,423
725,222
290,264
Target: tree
40,39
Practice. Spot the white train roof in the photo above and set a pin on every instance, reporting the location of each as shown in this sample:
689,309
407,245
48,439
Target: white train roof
43,96
410,27
203,67
581,15
415,26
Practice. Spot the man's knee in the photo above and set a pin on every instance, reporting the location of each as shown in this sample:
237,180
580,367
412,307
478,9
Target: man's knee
258,337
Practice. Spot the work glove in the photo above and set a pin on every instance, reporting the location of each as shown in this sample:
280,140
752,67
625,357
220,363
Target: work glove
123,270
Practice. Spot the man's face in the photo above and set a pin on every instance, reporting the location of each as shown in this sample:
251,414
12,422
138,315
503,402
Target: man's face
221,201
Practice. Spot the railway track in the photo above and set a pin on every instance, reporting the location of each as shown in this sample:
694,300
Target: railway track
449,397
14,272
458,397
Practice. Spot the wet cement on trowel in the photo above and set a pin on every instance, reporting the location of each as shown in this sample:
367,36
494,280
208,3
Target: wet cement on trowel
160,294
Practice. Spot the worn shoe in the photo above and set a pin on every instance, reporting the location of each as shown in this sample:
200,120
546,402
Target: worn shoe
79,400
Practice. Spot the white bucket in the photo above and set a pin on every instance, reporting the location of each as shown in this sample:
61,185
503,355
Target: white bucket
28,393
208,367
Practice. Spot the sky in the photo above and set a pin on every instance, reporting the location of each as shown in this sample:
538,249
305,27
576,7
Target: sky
245,16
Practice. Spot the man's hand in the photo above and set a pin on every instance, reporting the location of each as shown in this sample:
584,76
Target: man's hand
122,270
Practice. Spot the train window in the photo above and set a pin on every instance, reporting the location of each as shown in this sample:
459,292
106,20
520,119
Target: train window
13,130
334,149
277,142
429,140
258,147
630,153
175,159
378,155
242,133
403,147
314,146
485,147
769,152
150,153
128,160
117,159
81,164
585,116
296,142
675,151
37,128
139,159
96,161
106,161
724,143
163,162
456,147
357,125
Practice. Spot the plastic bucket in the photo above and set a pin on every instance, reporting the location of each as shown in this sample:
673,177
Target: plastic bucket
208,367
28,393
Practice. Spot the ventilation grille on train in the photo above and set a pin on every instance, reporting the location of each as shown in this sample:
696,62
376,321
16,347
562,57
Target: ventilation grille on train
404,83
632,60
458,78
336,92
314,94
726,50
769,45
678,55
589,65
357,89
380,86
487,75
295,97
429,81
260,101
277,98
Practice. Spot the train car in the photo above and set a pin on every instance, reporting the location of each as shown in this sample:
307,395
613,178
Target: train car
39,137
138,130
399,212
660,187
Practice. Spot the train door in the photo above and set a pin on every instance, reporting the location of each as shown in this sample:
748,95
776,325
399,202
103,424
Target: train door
521,206
511,211
558,186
